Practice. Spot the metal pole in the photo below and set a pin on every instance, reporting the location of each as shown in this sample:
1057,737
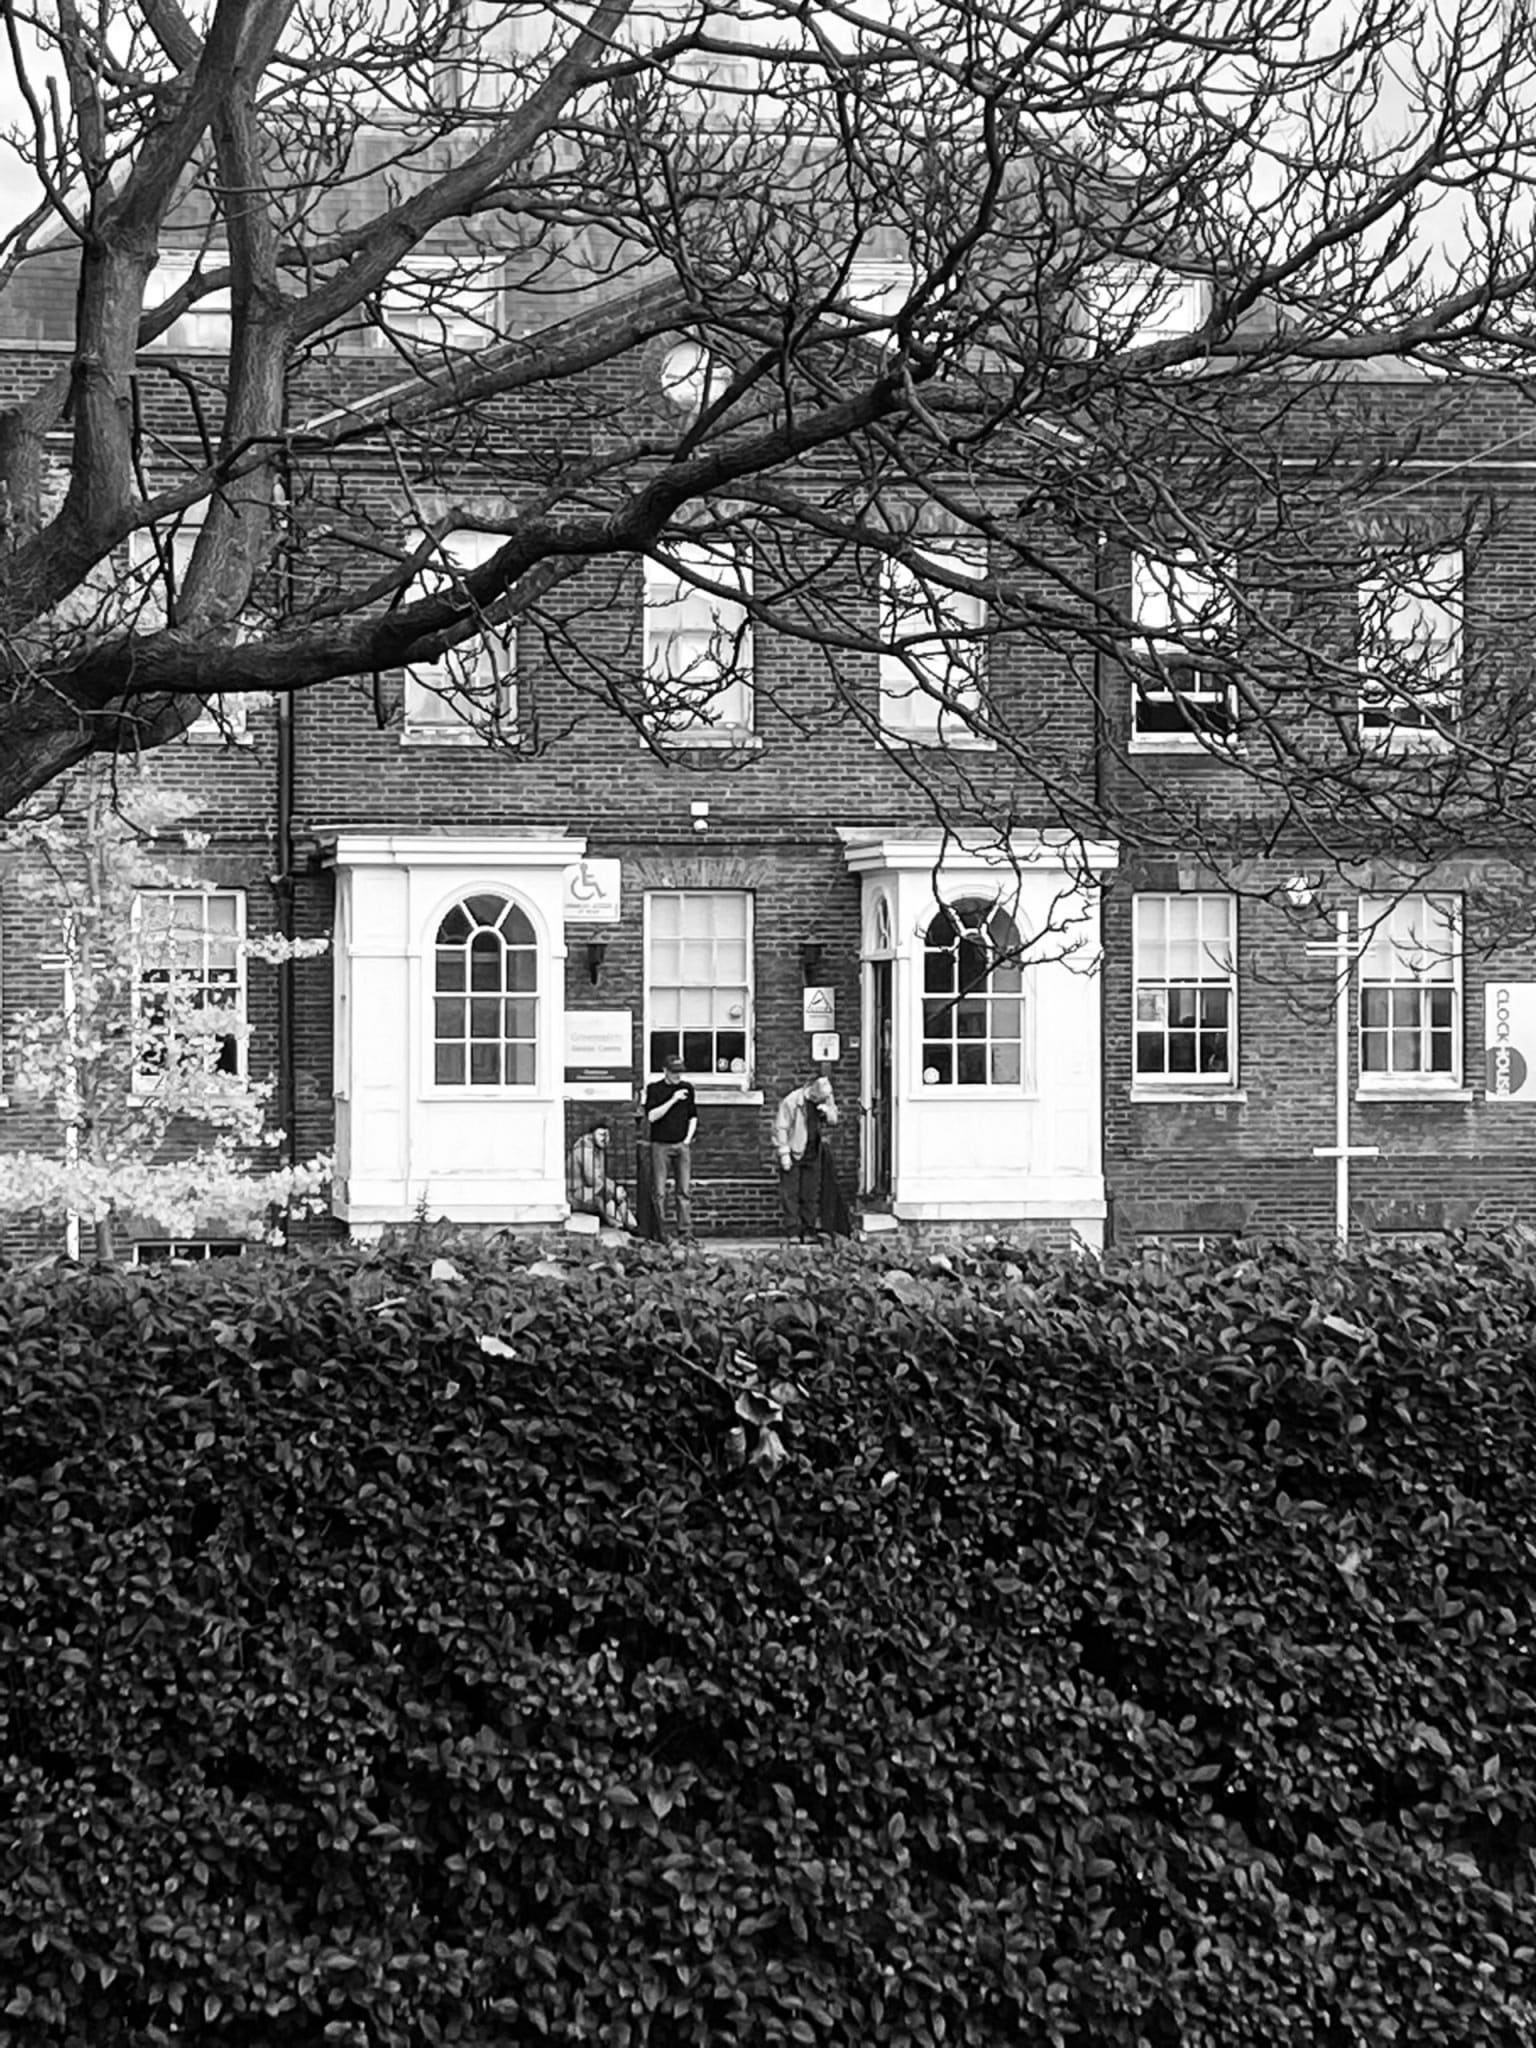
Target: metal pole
1341,1077
1342,953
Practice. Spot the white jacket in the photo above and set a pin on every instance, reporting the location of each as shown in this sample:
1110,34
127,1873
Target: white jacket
791,1123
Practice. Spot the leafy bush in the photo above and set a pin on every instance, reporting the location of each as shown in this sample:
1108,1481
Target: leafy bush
1007,1651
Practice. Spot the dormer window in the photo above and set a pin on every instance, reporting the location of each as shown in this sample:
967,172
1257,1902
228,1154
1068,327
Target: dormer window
1125,305
442,302
206,324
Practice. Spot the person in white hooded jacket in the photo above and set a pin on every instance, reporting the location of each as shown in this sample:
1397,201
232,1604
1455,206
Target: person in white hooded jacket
798,1123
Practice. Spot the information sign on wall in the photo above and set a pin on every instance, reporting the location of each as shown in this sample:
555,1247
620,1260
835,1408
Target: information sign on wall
820,1007
1509,1017
589,892
599,1055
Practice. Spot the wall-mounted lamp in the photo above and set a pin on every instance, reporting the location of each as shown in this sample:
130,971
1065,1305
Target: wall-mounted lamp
810,961
596,952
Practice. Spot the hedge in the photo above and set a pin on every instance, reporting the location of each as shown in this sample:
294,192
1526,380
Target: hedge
999,1649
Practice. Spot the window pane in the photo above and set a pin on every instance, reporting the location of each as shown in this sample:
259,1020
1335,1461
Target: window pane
971,1065
486,909
485,1017
448,1020
1006,1072
1149,1052
1213,1008
522,971
485,1065
449,1066
938,1064
485,961
521,1019
516,927
698,1052
521,1065
450,970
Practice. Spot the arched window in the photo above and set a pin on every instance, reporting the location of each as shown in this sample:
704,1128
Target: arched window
485,1012
973,998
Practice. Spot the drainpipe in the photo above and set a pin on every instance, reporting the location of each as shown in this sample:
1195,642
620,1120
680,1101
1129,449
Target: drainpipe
282,888
282,880
1100,743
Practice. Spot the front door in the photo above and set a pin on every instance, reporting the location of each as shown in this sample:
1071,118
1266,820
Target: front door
880,1039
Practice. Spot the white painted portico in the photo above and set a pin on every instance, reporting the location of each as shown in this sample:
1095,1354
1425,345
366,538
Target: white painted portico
1030,1151
404,1143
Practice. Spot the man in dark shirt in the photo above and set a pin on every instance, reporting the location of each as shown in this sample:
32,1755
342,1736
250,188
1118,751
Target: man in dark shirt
671,1117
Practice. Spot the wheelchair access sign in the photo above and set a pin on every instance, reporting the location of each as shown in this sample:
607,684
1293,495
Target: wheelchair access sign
589,892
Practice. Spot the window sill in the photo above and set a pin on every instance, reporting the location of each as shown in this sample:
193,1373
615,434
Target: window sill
1407,1093
1183,743
936,1091
214,737
1407,740
939,743
1219,1091
723,1098
423,737
730,741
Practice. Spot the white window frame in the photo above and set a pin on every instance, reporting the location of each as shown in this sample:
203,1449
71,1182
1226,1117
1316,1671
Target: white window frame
1179,608
1412,943
1126,303
1413,621
942,632
469,1090
146,1079
691,377
207,326
717,990
147,1251
977,914
435,707
699,647
877,288
1154,985
429,302
223,718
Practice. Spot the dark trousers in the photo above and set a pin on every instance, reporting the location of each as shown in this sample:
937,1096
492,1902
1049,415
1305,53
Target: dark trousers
800,1192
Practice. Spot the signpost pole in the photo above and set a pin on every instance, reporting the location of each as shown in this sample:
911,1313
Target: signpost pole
1343,952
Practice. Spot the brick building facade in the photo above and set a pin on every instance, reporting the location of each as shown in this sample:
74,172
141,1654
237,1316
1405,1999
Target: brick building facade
1151,1053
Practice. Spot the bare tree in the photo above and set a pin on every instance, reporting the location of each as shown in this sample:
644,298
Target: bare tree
1057,328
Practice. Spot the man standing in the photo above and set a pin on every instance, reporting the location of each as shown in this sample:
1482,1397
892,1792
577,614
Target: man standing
671,1118
798,1124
